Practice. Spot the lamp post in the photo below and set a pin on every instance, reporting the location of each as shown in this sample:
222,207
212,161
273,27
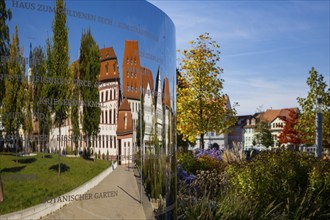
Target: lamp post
318,139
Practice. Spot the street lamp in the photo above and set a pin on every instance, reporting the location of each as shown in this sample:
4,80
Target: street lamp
318,139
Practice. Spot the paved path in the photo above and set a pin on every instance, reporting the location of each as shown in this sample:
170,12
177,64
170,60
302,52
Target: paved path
125,204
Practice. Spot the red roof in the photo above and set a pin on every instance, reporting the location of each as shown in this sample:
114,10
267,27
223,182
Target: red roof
124,113
166,93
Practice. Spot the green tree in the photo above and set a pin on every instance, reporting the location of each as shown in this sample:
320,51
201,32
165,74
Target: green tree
13,102
4,44
263,135
201,105
306,122
27,105
60,68
75,108
41,90
89,68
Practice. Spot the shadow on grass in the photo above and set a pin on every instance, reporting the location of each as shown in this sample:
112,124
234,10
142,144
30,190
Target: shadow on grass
13,169
26,160
64,167
48,156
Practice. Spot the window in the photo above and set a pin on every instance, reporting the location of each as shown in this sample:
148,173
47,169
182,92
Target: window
107,68
125,120
110,116
101,96
114,67
106,117
101,117
102,141
114,116
106,95
110,94
114,141
114,94
107,141
110,141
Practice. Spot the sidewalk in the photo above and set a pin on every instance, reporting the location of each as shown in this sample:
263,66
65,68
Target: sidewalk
125,204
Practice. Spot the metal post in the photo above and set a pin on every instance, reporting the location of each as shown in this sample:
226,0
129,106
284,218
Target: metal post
318,139
141,147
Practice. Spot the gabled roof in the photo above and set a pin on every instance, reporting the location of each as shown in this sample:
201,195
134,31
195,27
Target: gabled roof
269,115
109,65
272,114
166,93
147,78
131,70
124,106
124,115
285,113
107,54
131,52
157,87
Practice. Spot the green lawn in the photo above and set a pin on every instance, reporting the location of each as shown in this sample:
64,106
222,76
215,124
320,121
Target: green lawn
31,180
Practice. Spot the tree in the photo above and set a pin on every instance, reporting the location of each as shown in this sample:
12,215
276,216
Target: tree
288,133
60,69
40,68
75,108
4,44
89,67
13,102
306,122
201,105
263,135
27,119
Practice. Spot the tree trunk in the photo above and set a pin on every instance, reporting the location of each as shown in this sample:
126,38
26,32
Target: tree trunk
59,153
202,141
16,143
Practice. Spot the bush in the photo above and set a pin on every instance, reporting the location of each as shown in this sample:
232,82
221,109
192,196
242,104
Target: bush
286,179
192,164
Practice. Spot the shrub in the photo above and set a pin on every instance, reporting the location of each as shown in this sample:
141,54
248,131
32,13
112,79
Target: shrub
285,177
188,162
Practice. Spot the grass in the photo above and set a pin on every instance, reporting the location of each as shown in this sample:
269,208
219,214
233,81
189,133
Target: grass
32,180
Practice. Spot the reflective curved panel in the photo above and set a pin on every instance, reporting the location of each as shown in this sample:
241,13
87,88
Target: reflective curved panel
65,159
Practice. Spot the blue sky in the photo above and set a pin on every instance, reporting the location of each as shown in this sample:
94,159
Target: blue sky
34,20
267,47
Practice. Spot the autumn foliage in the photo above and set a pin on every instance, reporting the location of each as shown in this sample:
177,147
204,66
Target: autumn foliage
289,134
